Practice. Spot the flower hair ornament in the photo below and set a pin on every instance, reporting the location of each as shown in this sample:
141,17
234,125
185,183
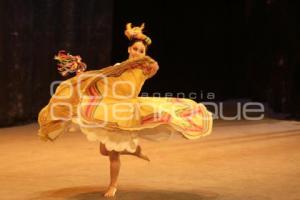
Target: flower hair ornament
136,33
68,64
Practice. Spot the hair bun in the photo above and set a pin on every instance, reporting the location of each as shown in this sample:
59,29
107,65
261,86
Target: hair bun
136,33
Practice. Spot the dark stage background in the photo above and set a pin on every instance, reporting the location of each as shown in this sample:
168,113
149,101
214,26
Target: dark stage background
246,49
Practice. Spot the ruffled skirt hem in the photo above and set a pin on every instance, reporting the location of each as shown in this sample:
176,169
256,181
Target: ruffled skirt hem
128,140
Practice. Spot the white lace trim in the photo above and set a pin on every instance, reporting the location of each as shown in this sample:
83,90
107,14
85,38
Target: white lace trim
127,140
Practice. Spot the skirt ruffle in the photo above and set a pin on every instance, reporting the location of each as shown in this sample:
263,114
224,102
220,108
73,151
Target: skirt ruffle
128,140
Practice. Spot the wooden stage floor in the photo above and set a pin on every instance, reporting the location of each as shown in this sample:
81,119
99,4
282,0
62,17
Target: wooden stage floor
240,160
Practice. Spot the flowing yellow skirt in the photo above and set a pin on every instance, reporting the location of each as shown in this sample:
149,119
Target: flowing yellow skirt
110,111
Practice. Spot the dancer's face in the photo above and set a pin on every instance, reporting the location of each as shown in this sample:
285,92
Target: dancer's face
137,49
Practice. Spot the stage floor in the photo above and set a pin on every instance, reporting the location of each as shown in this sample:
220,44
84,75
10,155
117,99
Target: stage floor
254,160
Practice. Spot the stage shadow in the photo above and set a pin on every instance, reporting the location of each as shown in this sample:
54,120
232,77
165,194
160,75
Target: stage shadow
93,193
144,195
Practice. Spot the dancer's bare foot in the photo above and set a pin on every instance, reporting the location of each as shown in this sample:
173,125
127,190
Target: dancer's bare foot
139,154
110,192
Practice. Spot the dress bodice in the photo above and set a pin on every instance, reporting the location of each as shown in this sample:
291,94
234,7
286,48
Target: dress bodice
127,85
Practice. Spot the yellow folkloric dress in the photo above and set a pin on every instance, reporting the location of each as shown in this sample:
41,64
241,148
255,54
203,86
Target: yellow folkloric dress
104,104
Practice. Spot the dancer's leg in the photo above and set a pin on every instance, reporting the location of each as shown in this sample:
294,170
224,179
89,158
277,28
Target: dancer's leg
115,164
137,153
103,150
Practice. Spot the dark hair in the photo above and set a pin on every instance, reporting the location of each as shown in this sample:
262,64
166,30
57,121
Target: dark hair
132,41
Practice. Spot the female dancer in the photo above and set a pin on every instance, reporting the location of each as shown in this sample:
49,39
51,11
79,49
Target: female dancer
106,107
